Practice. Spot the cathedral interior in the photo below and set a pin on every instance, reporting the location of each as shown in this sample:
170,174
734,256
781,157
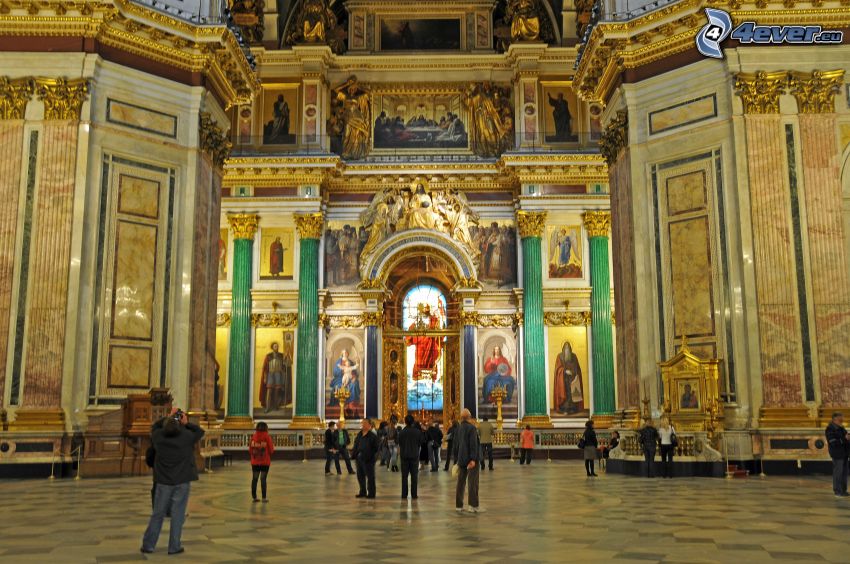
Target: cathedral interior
300,211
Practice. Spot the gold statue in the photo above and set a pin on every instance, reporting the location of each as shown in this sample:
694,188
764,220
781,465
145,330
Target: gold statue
524,18
315,22
350,119
491,117
248,15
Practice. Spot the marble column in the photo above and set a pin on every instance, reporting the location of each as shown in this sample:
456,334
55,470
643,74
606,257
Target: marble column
372,321
597,224
531,225
238,414
307,354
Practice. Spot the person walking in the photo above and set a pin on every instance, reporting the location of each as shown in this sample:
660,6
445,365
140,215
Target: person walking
485,434
435,443
450,444
591,443
175,470
261,450
839,449
410,441
343,440
332,448
526,445
366,450
392,445
649,444
466,453
668,446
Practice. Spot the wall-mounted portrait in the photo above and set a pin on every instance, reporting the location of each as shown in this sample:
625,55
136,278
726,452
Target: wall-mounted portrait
497,370
564,251
276,253
344,241
419,121
497,242
569,378
274,356
222,254
688,394
561,113
443,34
344,370
279,114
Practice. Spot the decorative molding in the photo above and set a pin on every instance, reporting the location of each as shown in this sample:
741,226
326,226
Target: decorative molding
815,92
310,225
350,321
213,140
373,318
222,320
597,223
63,99
490,319
760,92
243,225
615,137
14,96
566,318
530,224
274,320
468,318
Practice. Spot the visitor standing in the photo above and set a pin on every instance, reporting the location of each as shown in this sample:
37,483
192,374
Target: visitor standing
343,441
435,443
261,450
649,444
612,444
392,445
485,433
591,443
467,452
366,450
175,470
526,442
385,449
668,445
410,441
424,456
450,444
332,448
839,449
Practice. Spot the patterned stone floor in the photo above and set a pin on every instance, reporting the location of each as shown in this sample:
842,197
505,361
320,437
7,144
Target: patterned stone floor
543,513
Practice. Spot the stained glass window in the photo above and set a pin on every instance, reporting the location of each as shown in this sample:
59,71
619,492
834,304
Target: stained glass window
423,310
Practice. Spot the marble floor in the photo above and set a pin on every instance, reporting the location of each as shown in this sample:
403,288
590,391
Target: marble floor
548,512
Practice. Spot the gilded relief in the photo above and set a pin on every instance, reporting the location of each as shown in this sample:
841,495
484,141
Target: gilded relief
495,242
491,126
569,377
344,370
564,251
561,113
497,355
276,254
350,123
417,121
274,353
279,115
420,35
344,242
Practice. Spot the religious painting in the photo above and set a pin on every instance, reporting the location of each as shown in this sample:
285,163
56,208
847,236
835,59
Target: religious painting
222,254
423,310
222,335
688,394
497,242
564,251
276,254
442,34
497,354
344,242
416,121
279,115
568,374
345,370
561,113
274,355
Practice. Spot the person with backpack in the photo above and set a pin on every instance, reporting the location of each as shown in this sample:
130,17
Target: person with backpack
261,450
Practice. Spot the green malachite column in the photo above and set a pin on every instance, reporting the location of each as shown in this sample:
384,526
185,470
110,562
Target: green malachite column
307,353
244,227
531,230
598,224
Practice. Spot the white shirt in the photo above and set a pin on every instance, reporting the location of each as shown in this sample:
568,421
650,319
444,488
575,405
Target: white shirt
666,435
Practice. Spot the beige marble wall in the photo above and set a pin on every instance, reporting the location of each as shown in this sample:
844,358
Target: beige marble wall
827,256
778,313
11,162
49,264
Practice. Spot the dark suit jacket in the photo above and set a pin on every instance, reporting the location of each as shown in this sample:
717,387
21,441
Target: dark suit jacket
332,439
410,440
366,448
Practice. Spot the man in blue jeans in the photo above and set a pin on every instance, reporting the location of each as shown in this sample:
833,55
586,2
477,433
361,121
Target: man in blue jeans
174,440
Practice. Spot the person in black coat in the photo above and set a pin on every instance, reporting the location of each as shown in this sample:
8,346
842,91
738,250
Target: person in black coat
839,448
649,443
435,443
423,451
410,441
591,443
450,434
367,447
332,448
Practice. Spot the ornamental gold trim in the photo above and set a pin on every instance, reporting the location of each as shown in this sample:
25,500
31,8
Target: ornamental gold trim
615,138
222,320
760,91
530,223
274,320
815,92
597,223
328,321
375,318
243,225
63,99
310,225
566,318
212,139
488,320
14,96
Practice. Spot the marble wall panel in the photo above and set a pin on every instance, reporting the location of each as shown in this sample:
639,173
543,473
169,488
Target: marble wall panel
134,281
143,119
685,113
129,367
138,196
11,157
691,278
686,193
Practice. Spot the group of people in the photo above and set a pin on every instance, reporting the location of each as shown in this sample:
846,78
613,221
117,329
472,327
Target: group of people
651,438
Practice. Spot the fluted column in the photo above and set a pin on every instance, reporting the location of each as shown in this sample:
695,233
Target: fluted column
307,354
597,224
243,227
372,321
531,226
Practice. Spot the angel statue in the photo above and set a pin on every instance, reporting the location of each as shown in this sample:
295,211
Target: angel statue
525,22
350,119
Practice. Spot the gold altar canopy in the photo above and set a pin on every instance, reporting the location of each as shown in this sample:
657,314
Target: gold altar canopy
691,393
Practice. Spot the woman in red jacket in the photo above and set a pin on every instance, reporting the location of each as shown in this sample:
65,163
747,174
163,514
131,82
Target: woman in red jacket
261,458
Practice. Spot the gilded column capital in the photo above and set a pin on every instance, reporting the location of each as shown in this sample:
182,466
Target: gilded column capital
243,225
530,223
212,139
760,91
310,225
597,223
14,95
63,99
615,137
815,92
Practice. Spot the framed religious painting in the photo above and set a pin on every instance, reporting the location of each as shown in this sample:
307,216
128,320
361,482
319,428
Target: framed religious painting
279,113
345,369
496,240
344,242
561,113
425,34
277,247
564,252
274,356
497,354
568,373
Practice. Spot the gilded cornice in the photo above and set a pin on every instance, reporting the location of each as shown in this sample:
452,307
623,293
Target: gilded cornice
243,225
213,140
597,223
815,92
14,95
530,223
310,225
63,99
760,91
566,318
495,320
274,320
615,137
365,319
222,320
